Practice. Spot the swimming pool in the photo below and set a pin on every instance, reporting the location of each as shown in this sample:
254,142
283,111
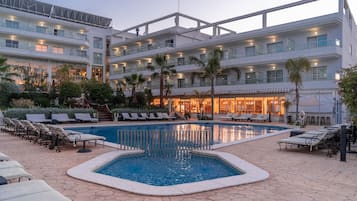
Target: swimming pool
166,171
222,132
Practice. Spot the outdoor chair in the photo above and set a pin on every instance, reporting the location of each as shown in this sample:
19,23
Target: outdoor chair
20,128
61,118
126,116
38,118
45,137
260,117
164,115
144,115
227,117
153,117
135,115
9,126
84,117
242,117
14,173
34,190
73,137
32,132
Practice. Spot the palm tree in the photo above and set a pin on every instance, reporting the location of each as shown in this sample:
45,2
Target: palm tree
5,73
164,70
294,68
211,70
134,80
63,73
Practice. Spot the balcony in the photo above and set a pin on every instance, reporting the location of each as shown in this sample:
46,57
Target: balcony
29,30
29,50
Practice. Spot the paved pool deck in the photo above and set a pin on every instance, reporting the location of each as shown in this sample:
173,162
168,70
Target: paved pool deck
295,174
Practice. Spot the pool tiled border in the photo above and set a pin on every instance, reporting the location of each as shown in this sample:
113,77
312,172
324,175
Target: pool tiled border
86,171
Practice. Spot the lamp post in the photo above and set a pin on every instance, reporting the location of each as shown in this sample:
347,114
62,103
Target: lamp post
337,99
343,137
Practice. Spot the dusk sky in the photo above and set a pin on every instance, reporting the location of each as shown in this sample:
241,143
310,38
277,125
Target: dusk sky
128,13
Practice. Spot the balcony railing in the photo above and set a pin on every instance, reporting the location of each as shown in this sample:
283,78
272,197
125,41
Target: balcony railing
48,31
143,48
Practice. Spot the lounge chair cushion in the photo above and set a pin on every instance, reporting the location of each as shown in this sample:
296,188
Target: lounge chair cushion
35,190
4,157
85,117
10,164
62,117
14,173
37,118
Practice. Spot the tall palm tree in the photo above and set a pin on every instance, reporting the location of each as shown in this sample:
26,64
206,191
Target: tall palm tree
164,70
211,69
5,73
295,67
134,80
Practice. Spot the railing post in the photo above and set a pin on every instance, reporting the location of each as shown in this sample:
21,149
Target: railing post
343,141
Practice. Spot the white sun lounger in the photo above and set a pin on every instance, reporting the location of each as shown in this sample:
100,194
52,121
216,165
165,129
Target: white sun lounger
4,157
126,116
62,118
37,118
35,190
226,117
164,115
260,117
153,117
85,117
13,173
10,164
135,115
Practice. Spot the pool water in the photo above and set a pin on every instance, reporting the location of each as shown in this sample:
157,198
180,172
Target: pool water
222,132
166,171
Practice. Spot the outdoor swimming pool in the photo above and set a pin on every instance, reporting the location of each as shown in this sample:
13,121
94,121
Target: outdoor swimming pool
222,132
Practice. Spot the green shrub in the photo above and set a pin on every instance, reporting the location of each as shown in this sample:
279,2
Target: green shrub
22,103
20,113
7,89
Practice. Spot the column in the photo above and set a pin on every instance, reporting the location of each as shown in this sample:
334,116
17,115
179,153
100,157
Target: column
89,72
49,72
341,5
264,20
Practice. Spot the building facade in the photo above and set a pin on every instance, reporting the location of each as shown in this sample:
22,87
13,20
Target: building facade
254,78
38,39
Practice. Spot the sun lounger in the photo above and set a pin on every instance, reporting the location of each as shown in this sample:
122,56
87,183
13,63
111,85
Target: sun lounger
135,115
126,116
20,128
13,173
84,117
153,117
260,117
144,115
74,137
4,157
61,118
227,117
32,132
9,126
164,115
10,164
34,190
38,118
242,117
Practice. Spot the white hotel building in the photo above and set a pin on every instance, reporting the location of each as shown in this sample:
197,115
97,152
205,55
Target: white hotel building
39,38
254,78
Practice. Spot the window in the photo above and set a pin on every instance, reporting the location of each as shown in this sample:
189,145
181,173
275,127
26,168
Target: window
222,80
180,83
98,42
82,53
250,78
169,43
150,46
97,58
82,36
275,47
12,43
275,76
58,50
203,82
319,73
181,61
250,51
12,24
58,32
317,41
41,48
40,29
203,57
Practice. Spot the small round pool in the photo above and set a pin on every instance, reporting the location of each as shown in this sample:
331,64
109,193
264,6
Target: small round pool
166,171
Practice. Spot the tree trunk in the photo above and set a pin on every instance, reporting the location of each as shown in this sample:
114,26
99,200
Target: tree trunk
133,94
161,90
297,102
212,97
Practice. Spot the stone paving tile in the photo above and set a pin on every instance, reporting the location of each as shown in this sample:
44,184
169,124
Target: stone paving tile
295,174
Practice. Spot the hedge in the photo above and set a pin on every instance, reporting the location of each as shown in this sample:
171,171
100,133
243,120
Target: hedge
20,113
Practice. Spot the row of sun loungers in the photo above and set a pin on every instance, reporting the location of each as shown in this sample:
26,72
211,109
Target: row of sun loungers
246,117
145,116
60,118
34,190
48,135
311,139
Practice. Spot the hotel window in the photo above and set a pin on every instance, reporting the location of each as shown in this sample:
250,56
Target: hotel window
41,48
250,78
203,57
169,43
250,51
98,42
317,41
222,80
12,24
180,83
40,29
203,82
82,36
275,76
82,53
149,46
12,43
58,50
319,73
97,58
58,32
181,61
275,47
